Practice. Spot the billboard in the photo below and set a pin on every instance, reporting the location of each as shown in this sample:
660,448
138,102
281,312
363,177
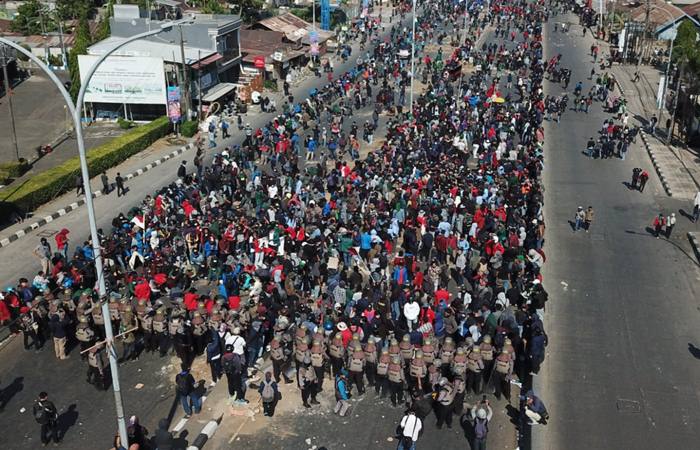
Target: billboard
125,79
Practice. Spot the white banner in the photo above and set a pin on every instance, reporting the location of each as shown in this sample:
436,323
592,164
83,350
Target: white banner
660,93
125,79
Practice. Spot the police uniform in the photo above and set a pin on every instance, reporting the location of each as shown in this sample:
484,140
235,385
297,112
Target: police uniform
84,334
371,361
396,378
318,361
443,403
418,370
475,365
380,384
337,353
502,374
486,348
97,362
356,365
160,331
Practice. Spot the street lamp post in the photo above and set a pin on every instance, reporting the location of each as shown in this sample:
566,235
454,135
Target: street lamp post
413,54
76,110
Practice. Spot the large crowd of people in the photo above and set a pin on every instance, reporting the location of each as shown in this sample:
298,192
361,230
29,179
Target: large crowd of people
410,264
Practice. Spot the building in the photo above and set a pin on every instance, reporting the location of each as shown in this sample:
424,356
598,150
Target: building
663,18
297,31
279,55
208,49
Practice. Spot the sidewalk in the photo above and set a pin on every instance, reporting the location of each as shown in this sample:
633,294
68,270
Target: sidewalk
677,166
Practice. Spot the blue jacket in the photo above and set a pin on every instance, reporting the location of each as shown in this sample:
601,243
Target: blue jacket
341,391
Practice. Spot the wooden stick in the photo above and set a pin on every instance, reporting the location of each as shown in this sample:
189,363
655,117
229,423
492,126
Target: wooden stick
97,344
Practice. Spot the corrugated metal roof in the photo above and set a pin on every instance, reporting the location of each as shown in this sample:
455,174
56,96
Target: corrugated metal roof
293,27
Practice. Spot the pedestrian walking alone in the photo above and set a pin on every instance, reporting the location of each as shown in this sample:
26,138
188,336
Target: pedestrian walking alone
120,185
46,415
79,187
696,207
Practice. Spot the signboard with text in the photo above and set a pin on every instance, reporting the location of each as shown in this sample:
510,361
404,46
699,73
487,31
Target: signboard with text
125,79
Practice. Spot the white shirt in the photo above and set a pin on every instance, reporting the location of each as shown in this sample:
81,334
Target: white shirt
411,310
237,342
411,425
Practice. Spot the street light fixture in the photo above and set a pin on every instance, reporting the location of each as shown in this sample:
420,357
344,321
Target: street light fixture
76,110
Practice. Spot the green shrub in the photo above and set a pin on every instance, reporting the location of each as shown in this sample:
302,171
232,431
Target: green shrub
189,128
124,124
14,169
45,186
270,85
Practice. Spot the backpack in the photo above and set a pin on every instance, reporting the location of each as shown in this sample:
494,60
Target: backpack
268,392
183,387
231,363
41,414
481,428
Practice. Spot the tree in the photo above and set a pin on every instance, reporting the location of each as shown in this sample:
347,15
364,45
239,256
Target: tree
686,47
103,30
213,7
82,41
30,18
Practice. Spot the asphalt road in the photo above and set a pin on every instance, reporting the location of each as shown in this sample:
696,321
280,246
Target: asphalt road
622,368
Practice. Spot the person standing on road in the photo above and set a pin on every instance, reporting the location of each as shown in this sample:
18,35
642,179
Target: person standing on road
58,326
579,218
481,416
659,222
670,223
643,178
636,172
186,389
268,393
105,183
588,220
182,170
43,252
696,207
410,428
79,187
341,394
46,415
652,124
120,185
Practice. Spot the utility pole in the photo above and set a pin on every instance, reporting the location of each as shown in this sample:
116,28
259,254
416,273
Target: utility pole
199,84
644,35
8,94
669,134
413,53
185,104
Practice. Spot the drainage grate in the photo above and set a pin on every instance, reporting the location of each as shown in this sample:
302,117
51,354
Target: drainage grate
47,233
628,406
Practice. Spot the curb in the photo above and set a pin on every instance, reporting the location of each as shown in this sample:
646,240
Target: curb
693,237
658,168
75,205
207,433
